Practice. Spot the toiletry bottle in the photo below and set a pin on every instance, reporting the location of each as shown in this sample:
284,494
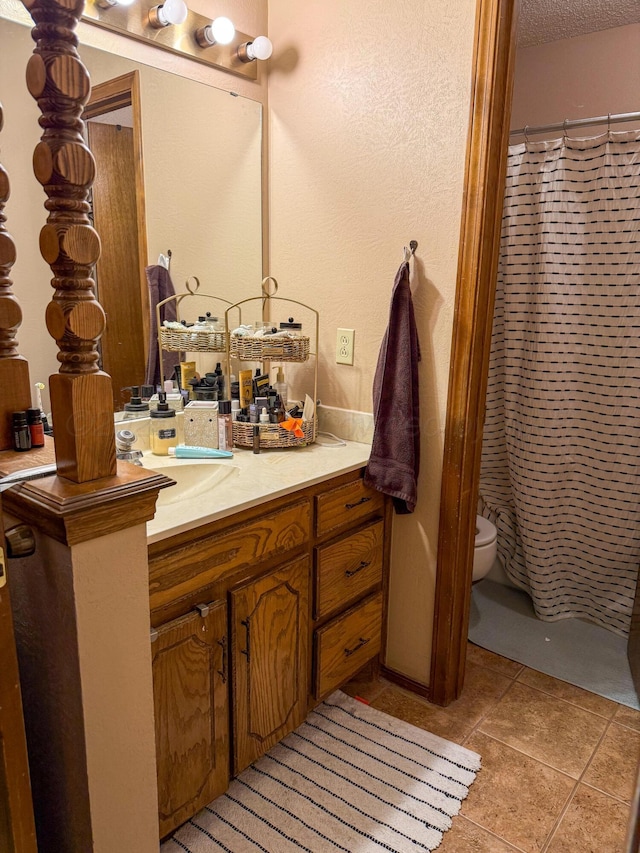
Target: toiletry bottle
20,431
281,387
163,433
264,416
136,407
225,428
36,427
220,380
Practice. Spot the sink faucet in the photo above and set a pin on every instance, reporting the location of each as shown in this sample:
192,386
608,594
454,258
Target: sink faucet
125,438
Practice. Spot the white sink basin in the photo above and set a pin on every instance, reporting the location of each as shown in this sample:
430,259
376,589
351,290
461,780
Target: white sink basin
193,479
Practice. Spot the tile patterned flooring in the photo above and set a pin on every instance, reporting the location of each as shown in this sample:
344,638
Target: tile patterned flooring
558,763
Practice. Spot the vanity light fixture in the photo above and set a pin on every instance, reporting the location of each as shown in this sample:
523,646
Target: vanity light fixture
171,25
259,48
219,31
171,12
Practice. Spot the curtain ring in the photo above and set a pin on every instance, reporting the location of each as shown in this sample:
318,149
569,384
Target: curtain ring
564,130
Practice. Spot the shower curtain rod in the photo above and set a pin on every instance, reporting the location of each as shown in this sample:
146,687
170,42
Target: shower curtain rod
578,122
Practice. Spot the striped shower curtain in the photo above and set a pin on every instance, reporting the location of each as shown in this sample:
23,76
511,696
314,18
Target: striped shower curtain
560,473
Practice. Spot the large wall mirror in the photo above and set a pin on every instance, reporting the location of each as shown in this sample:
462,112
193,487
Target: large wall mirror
201,151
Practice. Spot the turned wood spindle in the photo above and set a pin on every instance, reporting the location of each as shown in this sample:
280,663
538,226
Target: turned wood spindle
15,394
81,396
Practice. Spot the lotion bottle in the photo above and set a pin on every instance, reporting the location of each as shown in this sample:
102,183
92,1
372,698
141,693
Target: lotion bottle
163,433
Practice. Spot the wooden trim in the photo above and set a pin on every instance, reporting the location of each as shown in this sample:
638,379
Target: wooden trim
477,268
17,826
114,94
405,682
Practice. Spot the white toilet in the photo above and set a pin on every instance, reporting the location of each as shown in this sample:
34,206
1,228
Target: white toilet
486,546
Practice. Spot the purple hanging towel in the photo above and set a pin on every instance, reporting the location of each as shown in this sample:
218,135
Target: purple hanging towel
395,452
160,287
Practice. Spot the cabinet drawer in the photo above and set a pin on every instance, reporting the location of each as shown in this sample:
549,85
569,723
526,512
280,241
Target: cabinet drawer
345,570
345,505
181,571
345,644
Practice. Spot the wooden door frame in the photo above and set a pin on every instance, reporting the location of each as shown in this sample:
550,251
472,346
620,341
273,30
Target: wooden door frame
477,268
114,94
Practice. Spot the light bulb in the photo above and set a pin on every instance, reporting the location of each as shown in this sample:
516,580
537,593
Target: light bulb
222,30
170,12
173,12
259,48
107,4
219,31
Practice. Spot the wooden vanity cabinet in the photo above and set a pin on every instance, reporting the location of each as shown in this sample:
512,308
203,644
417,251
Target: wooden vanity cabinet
270,627
190,692
294,597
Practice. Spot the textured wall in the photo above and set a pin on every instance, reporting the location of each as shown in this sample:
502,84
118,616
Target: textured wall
579,77
369,107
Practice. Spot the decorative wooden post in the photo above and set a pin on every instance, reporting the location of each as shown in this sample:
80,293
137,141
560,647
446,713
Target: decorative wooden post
81,397
14,370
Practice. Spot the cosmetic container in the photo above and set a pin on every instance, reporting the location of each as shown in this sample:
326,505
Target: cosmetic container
264,416
185,451
225,429
256,439
36,427
20,431
163,432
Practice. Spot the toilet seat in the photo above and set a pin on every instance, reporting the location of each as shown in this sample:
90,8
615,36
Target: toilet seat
485,532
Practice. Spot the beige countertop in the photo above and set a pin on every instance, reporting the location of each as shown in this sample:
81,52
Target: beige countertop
211,489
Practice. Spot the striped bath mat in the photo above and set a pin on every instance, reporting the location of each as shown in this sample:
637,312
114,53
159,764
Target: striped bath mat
350,778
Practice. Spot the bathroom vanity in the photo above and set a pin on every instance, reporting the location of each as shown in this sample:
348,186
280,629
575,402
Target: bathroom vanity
259,610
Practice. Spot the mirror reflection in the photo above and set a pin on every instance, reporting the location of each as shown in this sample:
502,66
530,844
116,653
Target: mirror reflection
201,166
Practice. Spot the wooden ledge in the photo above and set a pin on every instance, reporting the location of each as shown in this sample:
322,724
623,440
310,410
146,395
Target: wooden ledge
77,512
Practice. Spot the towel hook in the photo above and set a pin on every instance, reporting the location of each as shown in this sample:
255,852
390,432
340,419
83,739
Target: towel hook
408,252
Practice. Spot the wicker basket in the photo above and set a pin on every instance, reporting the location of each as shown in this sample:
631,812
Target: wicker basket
272,435
177,340
261,349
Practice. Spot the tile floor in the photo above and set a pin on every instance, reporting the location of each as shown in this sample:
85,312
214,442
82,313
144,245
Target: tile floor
558,763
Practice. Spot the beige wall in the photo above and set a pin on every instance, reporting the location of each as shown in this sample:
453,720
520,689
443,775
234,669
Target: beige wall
586,76
369,107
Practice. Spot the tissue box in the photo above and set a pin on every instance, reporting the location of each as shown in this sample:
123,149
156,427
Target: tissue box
201,424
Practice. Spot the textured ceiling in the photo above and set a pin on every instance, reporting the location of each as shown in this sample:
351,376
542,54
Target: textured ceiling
550,20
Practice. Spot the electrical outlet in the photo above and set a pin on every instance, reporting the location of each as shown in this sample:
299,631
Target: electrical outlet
344,346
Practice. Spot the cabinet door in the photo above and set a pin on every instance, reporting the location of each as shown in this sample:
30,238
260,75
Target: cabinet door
192,712
269,624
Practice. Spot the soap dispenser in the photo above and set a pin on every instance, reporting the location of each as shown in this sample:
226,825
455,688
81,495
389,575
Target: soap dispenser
136,407
163,433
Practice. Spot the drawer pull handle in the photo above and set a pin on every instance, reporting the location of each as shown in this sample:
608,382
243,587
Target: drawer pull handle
363,642
357,503
246,651
223,673
352,572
